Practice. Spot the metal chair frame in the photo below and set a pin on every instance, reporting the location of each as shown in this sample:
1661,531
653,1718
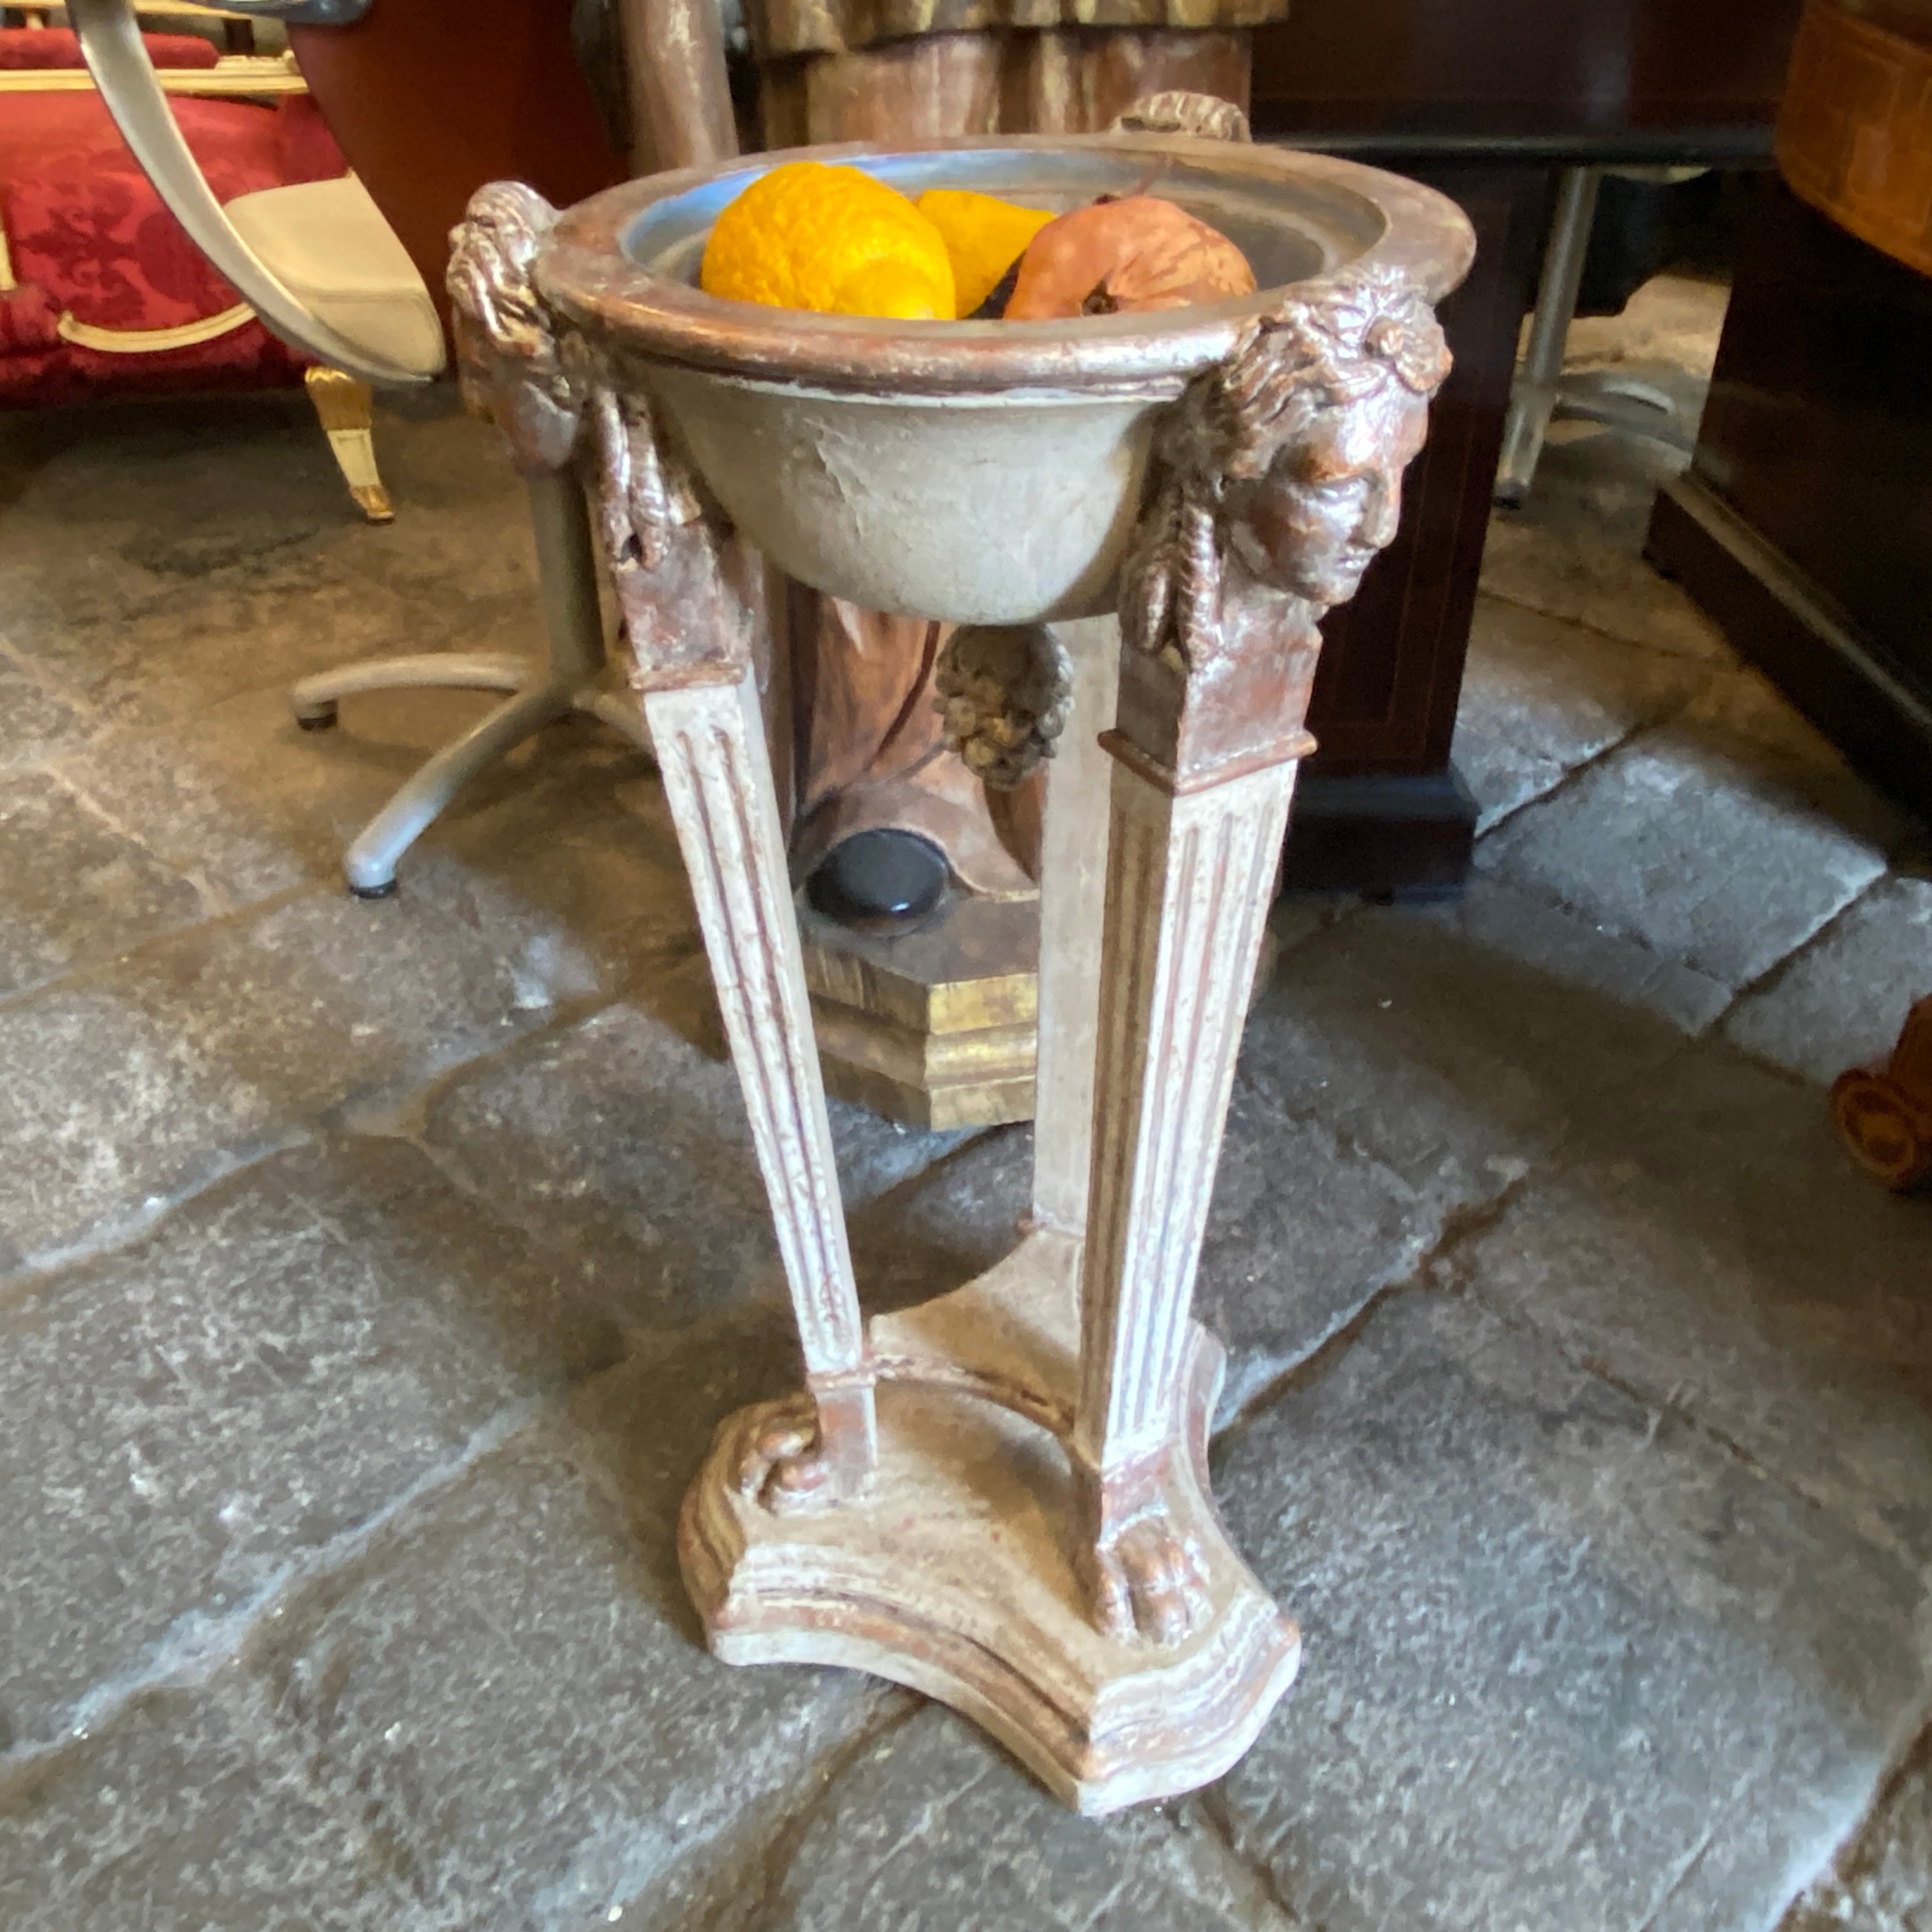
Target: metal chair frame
567,681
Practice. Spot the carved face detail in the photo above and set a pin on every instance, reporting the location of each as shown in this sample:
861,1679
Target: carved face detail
1331,500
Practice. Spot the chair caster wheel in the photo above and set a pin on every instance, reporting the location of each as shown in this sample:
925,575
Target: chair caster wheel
387,890
323,720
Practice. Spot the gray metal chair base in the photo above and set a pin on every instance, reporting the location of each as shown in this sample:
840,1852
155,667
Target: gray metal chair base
1543,393
539,693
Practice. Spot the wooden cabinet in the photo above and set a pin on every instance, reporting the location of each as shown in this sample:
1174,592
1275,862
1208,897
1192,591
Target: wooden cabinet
1482,98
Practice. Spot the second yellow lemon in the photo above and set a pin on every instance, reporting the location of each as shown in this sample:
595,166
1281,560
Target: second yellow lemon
806,236
985,236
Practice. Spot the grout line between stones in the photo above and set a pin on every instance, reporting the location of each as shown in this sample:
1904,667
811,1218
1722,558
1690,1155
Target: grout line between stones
1715,667
96,969
118,1233
1462,1224
214,903
1211,1803
1912,1733
1263,1908
761,1912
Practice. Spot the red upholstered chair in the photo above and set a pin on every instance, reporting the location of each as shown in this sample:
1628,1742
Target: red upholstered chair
101,291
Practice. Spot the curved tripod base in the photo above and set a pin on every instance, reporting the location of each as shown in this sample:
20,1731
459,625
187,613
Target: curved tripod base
538,696
956,1575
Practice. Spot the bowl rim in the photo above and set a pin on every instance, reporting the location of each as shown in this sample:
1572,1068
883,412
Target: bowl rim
583,271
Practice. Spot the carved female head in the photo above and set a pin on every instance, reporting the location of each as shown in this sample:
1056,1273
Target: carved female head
1319,414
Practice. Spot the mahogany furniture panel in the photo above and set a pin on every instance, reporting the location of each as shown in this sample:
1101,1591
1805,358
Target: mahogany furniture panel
1380,808
1497,68
1482,97
1805,525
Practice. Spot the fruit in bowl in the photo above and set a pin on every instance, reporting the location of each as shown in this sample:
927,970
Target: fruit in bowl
1126,256
809,236
806,236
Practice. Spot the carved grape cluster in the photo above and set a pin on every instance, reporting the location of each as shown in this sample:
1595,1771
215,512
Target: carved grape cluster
1005,695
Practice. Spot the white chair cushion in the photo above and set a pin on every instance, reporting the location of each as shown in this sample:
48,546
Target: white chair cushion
326,241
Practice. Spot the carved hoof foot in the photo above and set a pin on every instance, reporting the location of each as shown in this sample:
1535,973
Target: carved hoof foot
783,1467
1149,1582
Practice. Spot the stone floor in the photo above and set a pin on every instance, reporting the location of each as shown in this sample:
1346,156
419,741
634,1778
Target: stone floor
371,1277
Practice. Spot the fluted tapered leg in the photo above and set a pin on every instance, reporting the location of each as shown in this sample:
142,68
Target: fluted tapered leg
717,776
1189,881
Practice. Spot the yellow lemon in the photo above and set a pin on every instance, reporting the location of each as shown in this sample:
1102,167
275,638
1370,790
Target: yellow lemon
984,236
806,236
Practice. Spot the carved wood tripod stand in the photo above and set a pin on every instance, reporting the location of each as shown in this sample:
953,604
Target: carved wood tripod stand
1000,1498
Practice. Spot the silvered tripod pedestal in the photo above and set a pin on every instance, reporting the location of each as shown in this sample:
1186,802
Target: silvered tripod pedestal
1000,1498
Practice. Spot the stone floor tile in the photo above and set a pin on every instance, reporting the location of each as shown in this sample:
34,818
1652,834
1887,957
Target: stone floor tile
949,1224
1572,573
256,807
181,1815
1303,1233
1709,1244
39,723
1841,1002
1565,1666
181,480
931,1828
1746,716
571,828
77,888
584,846
1541,696
621,1141
189,1420
509,1689
219,552
1703,856
1578,952
158,1073
1438,1056
1882,1882
1674,321
186,645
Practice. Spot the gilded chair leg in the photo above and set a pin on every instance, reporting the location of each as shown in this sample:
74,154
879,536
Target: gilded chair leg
346,407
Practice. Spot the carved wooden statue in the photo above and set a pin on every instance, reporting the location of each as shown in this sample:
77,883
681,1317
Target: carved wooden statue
1001,1498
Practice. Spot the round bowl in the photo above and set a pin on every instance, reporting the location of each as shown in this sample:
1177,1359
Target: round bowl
982,472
